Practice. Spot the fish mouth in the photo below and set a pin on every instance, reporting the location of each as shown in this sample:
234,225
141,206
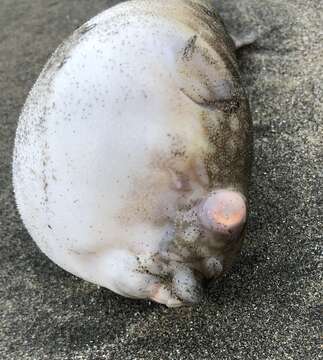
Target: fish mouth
224,212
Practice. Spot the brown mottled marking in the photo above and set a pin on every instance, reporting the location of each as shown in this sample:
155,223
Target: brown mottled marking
171,177
229,156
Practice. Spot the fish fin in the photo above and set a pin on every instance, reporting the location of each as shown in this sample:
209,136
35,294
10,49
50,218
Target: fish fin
244,40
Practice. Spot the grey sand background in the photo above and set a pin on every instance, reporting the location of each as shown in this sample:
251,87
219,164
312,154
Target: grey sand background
268,306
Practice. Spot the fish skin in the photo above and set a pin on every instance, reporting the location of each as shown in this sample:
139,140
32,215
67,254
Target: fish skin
217,154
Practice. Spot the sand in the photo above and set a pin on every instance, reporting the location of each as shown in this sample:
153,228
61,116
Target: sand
267,307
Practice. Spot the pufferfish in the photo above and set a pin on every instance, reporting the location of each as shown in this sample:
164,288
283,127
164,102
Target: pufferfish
132,153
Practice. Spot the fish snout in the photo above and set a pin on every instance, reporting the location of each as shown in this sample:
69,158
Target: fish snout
224,212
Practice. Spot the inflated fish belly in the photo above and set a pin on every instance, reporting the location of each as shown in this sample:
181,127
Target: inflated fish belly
132,153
